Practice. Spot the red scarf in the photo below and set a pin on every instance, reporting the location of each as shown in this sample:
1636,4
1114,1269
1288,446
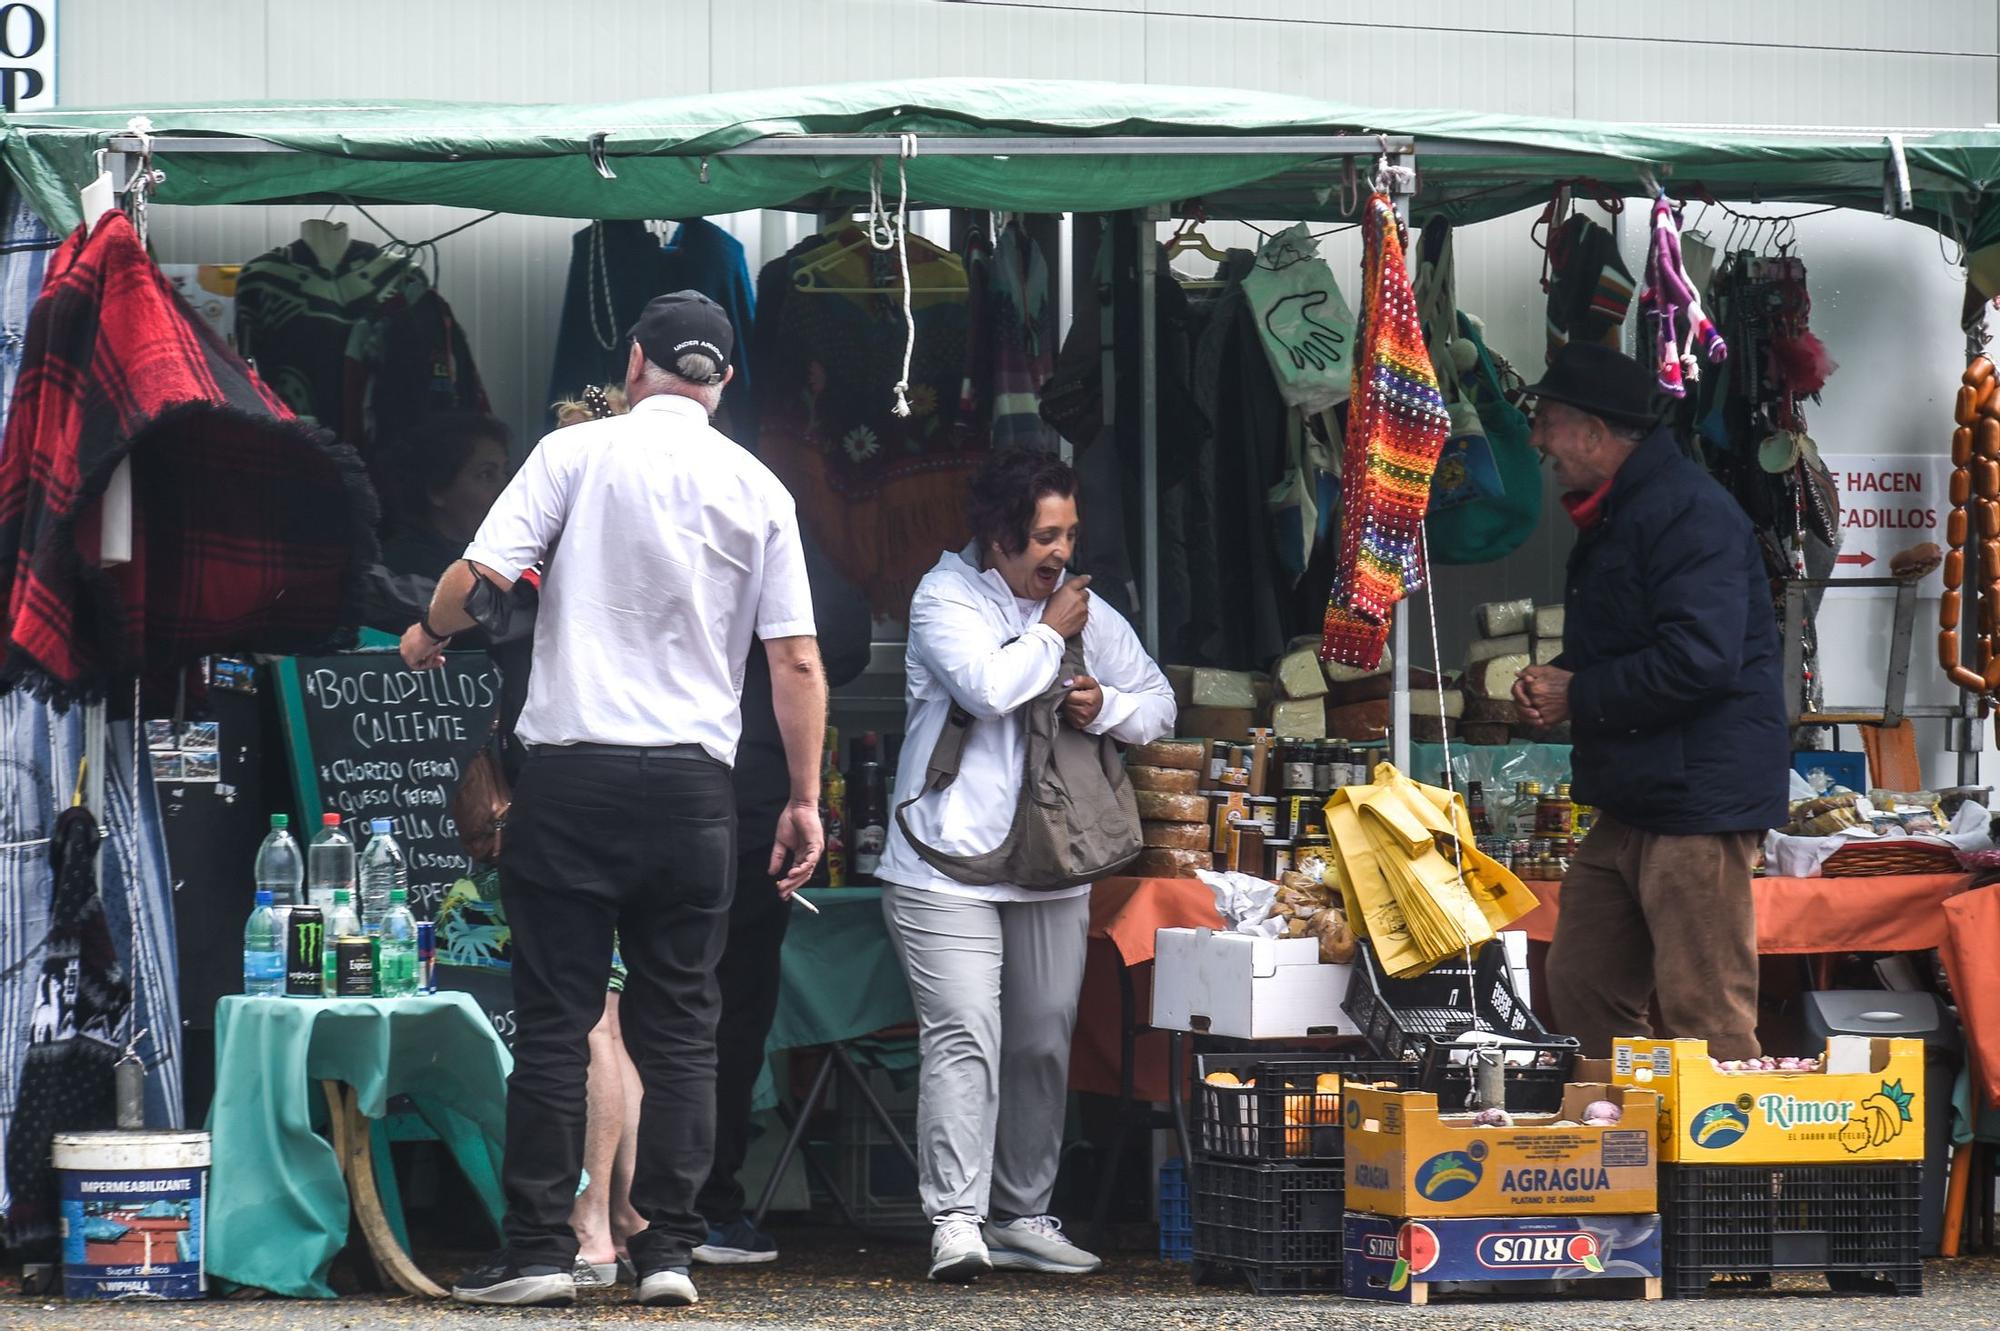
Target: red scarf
1587,510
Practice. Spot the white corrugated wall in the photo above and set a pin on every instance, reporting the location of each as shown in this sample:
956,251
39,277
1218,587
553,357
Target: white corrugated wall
1884,299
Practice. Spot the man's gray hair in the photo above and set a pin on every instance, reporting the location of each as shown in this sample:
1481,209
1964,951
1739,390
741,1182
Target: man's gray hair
692,376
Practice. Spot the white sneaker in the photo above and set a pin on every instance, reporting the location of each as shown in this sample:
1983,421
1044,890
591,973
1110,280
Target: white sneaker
669,1288
958,1254
1037,1243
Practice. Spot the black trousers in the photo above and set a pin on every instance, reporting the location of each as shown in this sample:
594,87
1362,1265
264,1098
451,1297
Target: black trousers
748,977
645,844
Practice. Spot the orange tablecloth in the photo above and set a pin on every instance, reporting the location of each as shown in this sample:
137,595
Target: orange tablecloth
1971,946
1903,913
1124,915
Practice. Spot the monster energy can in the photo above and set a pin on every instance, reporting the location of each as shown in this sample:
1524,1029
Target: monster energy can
305,955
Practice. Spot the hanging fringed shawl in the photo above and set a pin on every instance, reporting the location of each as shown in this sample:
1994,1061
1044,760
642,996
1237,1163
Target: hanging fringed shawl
1396,425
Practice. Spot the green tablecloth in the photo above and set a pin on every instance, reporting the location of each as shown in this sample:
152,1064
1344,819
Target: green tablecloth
841,978
278,1207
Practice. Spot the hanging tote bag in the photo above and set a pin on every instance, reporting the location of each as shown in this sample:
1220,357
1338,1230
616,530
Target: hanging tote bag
1303,321
1076,820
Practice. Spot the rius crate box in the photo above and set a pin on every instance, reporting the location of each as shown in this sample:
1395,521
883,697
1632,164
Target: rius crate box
1400,1260
1406,1159
1865,1107
1248,988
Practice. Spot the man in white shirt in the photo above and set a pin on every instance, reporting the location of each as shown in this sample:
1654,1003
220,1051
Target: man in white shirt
677,547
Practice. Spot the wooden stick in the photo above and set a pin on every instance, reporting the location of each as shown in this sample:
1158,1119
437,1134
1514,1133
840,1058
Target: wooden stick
389,1254
1954,1201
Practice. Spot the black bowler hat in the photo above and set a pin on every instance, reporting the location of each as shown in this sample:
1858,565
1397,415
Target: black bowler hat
1593,378
682,322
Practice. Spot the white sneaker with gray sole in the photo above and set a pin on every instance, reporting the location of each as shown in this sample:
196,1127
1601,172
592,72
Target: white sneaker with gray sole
1037,1243
670,1288
958,1254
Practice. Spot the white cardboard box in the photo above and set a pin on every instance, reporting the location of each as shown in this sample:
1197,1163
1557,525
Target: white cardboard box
1248,988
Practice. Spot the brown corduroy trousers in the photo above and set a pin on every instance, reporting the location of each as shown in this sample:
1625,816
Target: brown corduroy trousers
1644,913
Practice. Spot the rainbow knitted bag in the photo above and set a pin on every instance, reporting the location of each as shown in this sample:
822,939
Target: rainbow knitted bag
1396,426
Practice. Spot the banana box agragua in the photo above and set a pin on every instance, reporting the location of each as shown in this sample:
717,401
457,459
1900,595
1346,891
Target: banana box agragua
1405,1158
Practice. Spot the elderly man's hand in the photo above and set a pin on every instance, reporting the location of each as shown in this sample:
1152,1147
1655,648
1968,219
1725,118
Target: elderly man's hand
1542,696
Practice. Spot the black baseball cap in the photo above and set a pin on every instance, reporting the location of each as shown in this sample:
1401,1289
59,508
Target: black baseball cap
673,325
1606,383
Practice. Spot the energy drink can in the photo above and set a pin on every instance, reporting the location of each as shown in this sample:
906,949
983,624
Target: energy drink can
426,957
354,966
305,952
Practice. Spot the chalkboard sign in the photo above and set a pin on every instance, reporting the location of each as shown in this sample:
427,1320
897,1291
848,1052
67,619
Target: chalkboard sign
371,738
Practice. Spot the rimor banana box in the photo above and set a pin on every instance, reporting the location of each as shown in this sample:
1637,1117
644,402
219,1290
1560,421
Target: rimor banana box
1865,1105
1406,1159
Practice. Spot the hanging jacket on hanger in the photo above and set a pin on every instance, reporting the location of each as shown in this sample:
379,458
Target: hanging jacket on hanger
296,319
414,359
615,268
881,493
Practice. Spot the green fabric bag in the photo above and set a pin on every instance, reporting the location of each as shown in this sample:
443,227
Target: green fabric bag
1491,528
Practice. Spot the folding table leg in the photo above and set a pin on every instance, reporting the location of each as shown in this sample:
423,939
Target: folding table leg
1128,1047
807,1108
838,1052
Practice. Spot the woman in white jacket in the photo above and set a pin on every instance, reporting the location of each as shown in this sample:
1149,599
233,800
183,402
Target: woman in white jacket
995,971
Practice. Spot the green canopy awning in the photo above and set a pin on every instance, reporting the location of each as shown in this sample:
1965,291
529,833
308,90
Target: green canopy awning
670,157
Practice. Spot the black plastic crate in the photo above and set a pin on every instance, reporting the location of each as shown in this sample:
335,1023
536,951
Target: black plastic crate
1284,1116
1279,1226
1268,1278
1424,1017
1846,1221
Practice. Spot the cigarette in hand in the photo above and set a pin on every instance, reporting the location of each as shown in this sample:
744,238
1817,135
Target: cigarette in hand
800,898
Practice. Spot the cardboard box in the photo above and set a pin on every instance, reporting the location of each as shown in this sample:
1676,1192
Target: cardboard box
1249,988
1404,1261
1867,1107
1404,1158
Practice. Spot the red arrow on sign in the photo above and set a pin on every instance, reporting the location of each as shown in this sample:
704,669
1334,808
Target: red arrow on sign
1864,559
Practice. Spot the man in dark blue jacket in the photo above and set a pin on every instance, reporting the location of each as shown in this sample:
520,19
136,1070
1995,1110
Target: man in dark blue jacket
1671,682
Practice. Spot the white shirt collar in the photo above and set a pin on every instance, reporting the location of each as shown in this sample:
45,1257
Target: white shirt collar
674,403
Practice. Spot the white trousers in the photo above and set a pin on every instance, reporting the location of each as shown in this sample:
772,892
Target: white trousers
996,987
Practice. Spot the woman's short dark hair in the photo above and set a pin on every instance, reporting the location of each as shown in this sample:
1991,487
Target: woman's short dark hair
1001,502
427,455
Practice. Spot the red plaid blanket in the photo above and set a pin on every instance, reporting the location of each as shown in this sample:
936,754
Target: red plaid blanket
250,528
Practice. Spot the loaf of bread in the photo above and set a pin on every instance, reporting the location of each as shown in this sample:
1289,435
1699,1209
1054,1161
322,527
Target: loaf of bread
1176,836
1165,780
1158,863
1164,808
1185,755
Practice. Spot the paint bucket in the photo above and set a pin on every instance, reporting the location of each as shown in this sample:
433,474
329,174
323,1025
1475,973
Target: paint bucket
133,1214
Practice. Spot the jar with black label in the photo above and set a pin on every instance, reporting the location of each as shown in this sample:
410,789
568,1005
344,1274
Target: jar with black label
1296,761
1326,772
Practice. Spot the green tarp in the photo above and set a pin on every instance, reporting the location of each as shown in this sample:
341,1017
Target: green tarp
535,158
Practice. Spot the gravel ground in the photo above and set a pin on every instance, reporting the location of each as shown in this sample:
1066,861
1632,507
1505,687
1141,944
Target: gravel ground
835,1282
828,1280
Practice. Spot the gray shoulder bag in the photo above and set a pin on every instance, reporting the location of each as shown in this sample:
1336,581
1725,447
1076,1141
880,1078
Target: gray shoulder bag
1077,819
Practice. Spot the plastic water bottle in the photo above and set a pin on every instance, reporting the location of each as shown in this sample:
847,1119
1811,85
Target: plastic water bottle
329,864
341,922
264,948
396,969
280,871
383,870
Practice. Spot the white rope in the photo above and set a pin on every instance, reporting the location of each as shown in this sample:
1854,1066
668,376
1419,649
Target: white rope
1451,780
886,233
